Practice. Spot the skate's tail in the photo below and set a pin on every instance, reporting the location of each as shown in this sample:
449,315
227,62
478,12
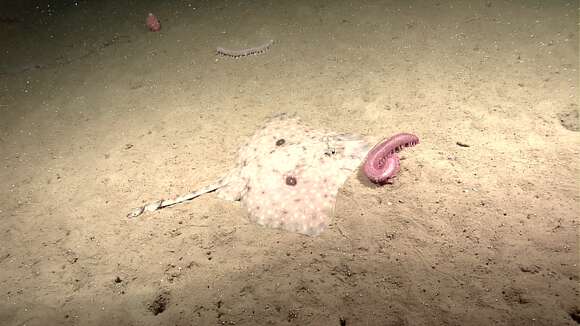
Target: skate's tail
151,207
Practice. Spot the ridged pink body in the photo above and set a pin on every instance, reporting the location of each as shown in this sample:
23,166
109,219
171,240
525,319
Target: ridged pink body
382,161
153,23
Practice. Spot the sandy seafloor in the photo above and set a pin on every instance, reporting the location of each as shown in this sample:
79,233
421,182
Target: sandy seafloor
99,115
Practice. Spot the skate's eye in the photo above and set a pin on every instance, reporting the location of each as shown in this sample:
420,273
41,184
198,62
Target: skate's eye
290,180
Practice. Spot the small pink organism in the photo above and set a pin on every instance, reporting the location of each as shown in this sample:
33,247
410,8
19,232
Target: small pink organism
152,23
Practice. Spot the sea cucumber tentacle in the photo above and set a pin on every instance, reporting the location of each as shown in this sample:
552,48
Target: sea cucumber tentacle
245,52
382,162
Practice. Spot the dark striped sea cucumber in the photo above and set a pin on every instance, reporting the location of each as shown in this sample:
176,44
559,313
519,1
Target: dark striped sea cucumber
245,52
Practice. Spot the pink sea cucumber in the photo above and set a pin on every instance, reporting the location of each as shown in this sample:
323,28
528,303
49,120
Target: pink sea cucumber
152,23
245,52
382,162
